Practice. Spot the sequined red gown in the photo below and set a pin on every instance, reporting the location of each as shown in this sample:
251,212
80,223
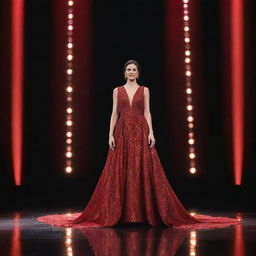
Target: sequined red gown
133,186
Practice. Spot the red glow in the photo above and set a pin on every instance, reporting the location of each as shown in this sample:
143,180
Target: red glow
239,247
16,248
237,81
17,82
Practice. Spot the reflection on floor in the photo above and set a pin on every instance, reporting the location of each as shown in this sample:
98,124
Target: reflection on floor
21,234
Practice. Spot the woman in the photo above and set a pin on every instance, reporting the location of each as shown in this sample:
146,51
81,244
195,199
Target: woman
133,186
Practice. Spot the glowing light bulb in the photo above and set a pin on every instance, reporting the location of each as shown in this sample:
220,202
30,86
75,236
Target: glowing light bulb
187,40
190,118
69,123
69,71
186,18
70,3
68,169
68,154
187,53
192,155
68,241
192,170
70,27
188,90
70,57
190,125
70,45
191,141
69,110
69,134
188,73
187,60
189,107
70,16
69,89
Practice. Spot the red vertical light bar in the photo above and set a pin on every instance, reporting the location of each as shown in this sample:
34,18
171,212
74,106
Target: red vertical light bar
17,84
237,83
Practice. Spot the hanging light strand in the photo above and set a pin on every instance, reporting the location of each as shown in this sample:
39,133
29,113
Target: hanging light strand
69,85
188,75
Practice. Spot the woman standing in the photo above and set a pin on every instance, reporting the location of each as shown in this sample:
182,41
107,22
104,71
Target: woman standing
133,186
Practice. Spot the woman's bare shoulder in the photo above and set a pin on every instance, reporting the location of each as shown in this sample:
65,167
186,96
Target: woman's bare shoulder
146,89
115,89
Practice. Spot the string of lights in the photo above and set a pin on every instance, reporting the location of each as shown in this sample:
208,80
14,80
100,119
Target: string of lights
188,74
69,85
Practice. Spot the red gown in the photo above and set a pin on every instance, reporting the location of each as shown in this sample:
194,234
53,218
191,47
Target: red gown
133,186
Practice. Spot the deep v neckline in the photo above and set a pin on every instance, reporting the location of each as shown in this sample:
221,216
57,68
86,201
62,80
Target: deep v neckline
131,103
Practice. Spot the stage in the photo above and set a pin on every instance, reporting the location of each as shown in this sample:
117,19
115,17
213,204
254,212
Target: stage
22,235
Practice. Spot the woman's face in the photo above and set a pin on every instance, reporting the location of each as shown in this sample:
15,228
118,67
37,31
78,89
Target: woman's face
131,72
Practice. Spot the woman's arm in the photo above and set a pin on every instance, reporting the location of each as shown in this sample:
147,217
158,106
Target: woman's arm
114,114
147,113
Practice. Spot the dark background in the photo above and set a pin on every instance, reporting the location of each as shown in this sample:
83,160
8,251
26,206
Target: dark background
124,30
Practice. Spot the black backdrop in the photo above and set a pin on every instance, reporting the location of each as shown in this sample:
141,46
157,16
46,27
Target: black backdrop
125,30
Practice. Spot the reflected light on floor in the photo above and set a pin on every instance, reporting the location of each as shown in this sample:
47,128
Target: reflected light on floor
16,246
239,246
68,241
192,243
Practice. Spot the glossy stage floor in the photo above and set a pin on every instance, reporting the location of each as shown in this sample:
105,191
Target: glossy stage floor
21,234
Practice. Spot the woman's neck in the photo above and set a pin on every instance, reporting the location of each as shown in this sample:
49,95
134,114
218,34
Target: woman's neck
131,83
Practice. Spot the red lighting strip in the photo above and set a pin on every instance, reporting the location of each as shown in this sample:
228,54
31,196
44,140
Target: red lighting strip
237,81
17,86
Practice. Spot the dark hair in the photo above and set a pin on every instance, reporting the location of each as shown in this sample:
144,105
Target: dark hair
135,62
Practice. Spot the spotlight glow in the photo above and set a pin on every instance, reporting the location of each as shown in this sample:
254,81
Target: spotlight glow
237,83
17,68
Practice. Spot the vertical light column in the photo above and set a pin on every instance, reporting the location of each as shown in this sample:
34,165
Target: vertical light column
69,84
188,75
237,84
17,86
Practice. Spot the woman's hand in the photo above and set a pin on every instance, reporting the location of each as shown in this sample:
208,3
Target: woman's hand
111,142
151,140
